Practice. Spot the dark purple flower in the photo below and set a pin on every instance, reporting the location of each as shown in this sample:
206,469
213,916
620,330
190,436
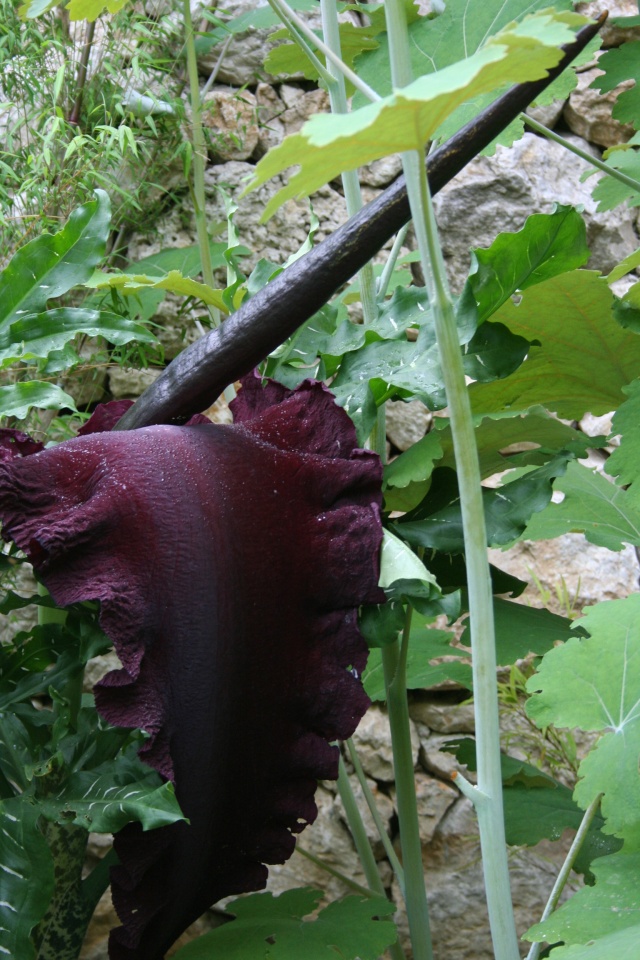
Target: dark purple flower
229,562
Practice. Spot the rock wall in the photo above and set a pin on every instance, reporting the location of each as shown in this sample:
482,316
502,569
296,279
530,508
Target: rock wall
246,112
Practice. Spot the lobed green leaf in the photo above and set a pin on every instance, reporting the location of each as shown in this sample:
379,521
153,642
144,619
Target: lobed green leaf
571,689
273,926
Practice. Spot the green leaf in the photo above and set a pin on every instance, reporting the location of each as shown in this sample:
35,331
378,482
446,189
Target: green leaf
26,877
37,335
606,909
515,439
437,522
51,265
624,462
425,644
273,926
91,9
173,282
620,64
455,33
106,798
398,562
406,119
406,479
610,192
547,245
537,807
607,515
585,357
256,18
402,368
521,630
17,399
35,661
621,945
289,58
571,689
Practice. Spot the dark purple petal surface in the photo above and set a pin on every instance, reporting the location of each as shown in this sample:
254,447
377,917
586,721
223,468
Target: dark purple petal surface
229,562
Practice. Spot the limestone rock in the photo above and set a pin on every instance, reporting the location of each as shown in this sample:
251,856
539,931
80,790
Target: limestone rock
244,57
287,230
434,799
373,743
129,382
443,716
547,115
380,173
570,567
497,194
612,36
406,422
230,117
588,112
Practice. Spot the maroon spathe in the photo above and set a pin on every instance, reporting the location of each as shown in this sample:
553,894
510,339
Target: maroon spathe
229,562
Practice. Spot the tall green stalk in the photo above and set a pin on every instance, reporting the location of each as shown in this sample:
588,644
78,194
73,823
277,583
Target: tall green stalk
488,794
199,155
394,662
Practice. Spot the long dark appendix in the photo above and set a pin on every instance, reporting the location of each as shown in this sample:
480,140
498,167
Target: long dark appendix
194,380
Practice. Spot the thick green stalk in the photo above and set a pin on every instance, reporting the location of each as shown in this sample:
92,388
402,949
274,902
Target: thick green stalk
350,179
394,658
488,800
199,156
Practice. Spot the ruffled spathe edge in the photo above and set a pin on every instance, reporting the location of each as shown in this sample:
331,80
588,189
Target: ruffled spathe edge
230,562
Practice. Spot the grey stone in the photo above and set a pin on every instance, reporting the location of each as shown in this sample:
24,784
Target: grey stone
243,61
569,571
434,799
497,194
612,35
231,118
406,422
373,743
588,112
129,382
443,717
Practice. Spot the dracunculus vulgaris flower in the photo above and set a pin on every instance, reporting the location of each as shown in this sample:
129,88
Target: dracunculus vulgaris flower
229,562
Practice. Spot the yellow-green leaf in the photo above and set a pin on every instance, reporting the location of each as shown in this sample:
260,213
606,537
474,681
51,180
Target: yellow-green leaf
330,144
173,281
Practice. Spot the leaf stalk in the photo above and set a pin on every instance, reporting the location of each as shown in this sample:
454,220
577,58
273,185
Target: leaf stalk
490,812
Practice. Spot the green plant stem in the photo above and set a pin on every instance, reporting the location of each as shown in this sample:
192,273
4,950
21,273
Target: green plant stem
289,18
594,161
394,659
199,156
365,891
350,179
358,831
83,67
566,869
489,806
375,813
385,276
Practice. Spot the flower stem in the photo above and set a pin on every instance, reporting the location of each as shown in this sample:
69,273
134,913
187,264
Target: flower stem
394,657
350,180
489,808
566,869
375,813
199,156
